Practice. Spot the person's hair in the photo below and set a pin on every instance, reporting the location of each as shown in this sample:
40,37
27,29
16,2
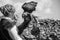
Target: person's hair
29,7
7,9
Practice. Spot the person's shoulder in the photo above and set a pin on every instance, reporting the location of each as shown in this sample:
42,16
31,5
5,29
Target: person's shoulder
3,19
2,22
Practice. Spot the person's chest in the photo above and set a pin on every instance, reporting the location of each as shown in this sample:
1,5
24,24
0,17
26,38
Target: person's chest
6,23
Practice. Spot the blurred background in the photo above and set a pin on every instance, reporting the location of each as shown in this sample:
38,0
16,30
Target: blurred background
45,8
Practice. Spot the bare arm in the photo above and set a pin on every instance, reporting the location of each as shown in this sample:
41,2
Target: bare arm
13,31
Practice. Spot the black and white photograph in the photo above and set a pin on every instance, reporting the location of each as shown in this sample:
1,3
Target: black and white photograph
29,19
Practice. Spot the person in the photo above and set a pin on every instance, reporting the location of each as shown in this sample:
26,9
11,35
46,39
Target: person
7,21
28,9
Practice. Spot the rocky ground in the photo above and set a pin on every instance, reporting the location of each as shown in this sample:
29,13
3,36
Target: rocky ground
47,29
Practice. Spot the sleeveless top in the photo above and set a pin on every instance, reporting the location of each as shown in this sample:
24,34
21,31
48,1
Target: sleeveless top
5,24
